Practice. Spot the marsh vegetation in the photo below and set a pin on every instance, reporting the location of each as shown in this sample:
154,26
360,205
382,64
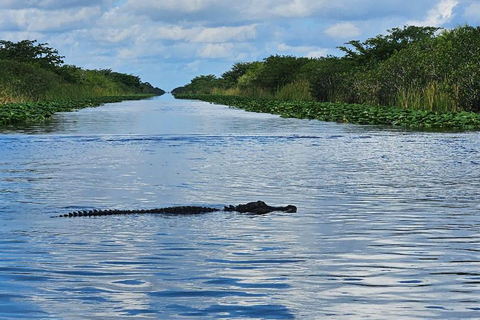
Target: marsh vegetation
412,68
34,83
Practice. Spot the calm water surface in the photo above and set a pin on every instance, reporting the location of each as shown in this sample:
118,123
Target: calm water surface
388,225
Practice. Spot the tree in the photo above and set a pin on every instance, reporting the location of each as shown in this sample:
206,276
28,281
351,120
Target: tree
382,47
30,51
238,70
328,77
202,84
278,71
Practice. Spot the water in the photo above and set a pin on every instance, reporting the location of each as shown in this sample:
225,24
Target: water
388,225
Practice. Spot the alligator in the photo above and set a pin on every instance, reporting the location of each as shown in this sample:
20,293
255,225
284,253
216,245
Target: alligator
258,207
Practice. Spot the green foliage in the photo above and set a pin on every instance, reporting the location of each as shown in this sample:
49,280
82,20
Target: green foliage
202,84
278,71
420,68
442,73
297,91
29,51
32,74
382,47
249,78
327,78
26,81
32,71
239,69
12,113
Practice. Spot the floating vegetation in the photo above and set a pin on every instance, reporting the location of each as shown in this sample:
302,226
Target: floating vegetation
350,113
29,112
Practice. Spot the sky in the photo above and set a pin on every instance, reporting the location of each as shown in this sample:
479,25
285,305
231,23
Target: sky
168,42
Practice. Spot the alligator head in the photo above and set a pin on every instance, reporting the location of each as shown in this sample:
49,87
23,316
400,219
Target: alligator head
259,207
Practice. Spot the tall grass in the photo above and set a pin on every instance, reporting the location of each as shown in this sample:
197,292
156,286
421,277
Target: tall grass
66,91
235,91
7,95
298,90
432,97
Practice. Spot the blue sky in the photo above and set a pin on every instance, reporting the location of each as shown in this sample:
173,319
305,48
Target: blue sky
168,42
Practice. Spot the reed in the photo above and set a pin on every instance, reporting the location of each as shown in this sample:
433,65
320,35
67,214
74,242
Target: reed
432,97
298,91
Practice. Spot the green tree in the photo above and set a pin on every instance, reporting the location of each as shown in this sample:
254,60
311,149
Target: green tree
278,71
328,78
382,47
238,70
30,51
202,84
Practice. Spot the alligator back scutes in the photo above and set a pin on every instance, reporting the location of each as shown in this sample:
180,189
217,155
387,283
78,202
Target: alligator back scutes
167,210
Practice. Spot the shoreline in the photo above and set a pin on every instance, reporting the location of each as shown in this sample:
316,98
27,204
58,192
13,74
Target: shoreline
423,120
31,112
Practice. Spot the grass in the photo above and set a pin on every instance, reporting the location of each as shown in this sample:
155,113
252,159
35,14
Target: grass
433,97
298,91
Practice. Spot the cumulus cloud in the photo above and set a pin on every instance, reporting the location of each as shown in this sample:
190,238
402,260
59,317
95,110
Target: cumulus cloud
230,51
442,13
171,5
184,11
138,33
216,50
50,4
296,8
224,34
305,51
216,12
208,36
45,21
344,30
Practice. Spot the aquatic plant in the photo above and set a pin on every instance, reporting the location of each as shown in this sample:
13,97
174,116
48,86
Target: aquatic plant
351,113
29,112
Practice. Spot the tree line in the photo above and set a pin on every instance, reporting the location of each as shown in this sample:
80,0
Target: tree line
33,71
413,67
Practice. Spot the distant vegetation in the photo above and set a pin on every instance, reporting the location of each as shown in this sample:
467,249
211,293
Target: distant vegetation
417,68
350,113
32,71
34,83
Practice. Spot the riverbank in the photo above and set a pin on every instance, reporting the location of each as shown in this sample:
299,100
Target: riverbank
12,113
349,113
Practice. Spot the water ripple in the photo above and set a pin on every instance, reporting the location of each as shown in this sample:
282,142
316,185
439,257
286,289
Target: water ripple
387,226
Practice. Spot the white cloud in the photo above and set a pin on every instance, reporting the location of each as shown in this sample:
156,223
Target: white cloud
208,35
170,5
225,34
344,30
442,13
228,51
50,4
295,8
193,66
36,20
317,54
178,33
307,51
216,50
116,35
